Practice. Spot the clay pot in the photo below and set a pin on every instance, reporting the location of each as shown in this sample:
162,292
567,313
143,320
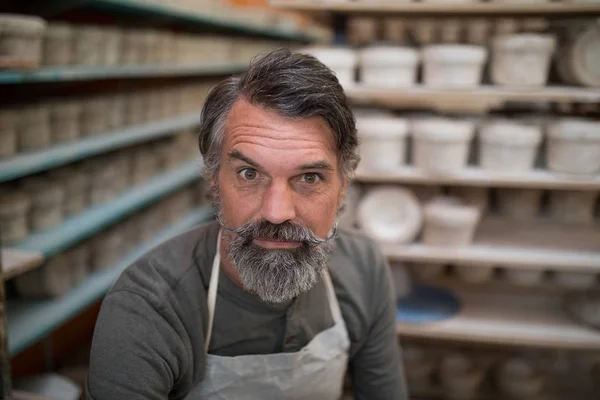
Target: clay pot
47,198
448,223
519,379
14,208
21,39
8,132
441,145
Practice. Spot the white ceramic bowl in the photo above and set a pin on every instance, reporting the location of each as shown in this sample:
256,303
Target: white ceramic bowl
390,214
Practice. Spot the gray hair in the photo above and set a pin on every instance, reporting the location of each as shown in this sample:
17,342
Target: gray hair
295,86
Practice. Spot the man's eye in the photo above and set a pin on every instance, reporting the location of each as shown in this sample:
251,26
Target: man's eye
310,178
248,174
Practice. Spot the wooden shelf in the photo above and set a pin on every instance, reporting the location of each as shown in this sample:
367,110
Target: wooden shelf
84,225
41,160
16,262
430,8
475,176
510,244
478,99
71,74
498,285
155,12
552,391
31,320
519,320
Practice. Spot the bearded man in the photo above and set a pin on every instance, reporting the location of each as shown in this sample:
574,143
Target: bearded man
271,300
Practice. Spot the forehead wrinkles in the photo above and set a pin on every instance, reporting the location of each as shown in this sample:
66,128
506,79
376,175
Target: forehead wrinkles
274,140
251,124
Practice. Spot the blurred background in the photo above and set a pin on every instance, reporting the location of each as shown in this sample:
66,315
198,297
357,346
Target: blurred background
480,172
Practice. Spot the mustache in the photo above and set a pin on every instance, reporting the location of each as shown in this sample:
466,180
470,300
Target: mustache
286,231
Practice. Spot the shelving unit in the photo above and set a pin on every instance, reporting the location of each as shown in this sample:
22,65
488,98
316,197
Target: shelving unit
513,244
72,74
505,256
501,285
32,162
159,13
478,99
475,176
31,320
552,391
539,244
509,320
426,8
84,225
508,316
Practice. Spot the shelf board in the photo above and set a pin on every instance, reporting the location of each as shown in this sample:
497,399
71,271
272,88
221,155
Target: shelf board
16,262
84,225
71,74
205,20
475,176
500,285
440,8
31,320
477,99
155,12
37,161
554,389
519,320
503,256
513,244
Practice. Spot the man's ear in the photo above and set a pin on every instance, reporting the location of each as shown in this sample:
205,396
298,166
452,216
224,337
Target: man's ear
342,192
214,178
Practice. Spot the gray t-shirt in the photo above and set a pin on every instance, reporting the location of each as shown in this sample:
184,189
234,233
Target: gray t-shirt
149,338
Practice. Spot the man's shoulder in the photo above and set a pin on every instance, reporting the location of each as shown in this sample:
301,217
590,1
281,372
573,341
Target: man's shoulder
356,255
359,273
171,264
356,246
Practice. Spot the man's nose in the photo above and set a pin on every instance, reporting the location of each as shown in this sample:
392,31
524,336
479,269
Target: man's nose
278,203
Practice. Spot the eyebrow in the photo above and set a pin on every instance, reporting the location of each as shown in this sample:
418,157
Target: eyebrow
317,165
238,155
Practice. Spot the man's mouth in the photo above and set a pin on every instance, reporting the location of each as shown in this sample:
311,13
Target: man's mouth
276,243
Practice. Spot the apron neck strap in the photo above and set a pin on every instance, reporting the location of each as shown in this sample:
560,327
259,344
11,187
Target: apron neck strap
212,290
334,306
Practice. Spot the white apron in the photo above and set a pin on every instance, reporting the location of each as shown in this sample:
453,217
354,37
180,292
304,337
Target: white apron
315,372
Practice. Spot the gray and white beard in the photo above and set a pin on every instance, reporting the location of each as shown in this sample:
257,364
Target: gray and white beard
275,275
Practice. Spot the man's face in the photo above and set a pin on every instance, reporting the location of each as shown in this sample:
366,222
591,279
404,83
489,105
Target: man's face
279,178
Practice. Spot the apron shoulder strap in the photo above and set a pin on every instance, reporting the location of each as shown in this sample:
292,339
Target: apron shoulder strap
212,291
334,305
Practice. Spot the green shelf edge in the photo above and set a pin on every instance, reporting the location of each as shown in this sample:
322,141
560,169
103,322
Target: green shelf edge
29,163
84,73
166,13
31,320
84,225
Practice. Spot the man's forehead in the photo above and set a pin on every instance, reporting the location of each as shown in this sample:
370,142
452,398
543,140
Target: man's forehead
246,119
